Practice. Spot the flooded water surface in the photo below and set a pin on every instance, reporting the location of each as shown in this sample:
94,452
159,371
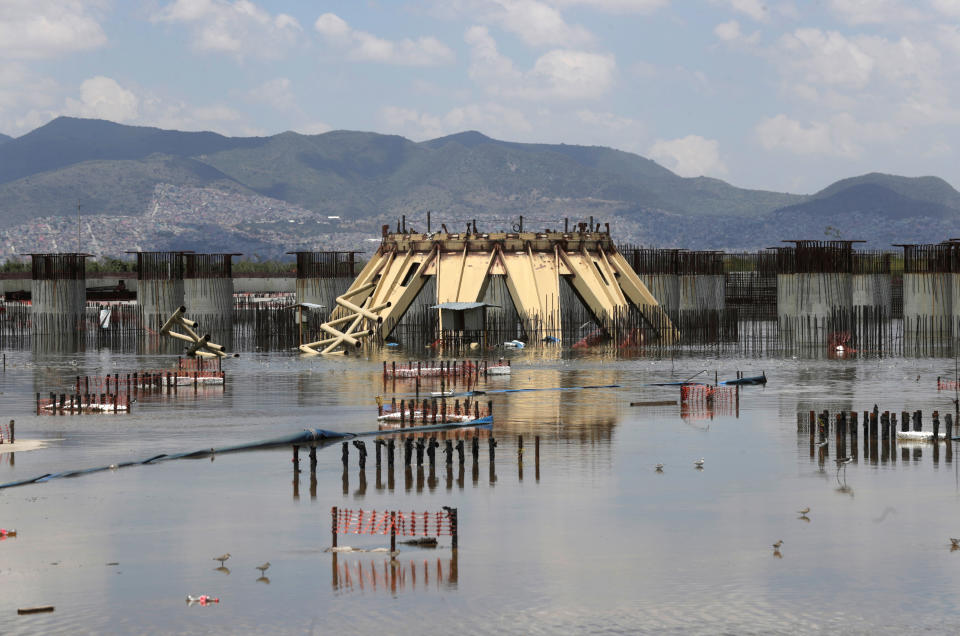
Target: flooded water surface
590,538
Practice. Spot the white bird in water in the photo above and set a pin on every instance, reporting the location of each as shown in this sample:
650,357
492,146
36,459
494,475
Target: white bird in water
659,468
822,444
803,511
222,558
698,462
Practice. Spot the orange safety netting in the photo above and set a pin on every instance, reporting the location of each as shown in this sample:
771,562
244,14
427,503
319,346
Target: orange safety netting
410,524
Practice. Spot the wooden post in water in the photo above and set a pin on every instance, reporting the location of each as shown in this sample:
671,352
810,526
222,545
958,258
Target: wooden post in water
454,527
333,526
948,420
904,421
536,457
936,426
393,532
13,435
853,434
345,454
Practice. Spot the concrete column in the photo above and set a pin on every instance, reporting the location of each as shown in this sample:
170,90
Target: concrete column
927,305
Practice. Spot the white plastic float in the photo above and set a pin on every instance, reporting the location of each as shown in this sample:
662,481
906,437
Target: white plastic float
917,436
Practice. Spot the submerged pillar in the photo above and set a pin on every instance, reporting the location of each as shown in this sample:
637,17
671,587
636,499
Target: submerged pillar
59,293
815,293
928,298
322,276
159,287
208,290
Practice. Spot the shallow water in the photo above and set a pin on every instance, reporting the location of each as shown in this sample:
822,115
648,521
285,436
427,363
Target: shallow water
595,540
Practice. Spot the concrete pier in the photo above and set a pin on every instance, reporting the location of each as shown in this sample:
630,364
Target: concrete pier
159,286
208,290
59,293
323,276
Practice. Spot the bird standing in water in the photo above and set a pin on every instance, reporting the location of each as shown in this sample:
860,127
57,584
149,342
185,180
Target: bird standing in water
698,462
222,558
776,546
263,568
803,511
659,468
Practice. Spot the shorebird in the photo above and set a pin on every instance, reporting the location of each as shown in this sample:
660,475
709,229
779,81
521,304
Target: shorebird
698,462
776,546
222,558
955,542
659,468
263,568
823,443
803,511
844,461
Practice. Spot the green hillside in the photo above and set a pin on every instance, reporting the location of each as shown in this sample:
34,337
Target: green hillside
103,187
280,190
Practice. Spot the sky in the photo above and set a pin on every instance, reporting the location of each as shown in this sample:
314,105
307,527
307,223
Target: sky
779,95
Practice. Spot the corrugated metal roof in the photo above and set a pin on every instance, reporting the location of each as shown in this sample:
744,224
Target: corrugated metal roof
461,306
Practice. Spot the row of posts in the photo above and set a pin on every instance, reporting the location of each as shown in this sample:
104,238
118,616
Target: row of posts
431,410
78,402
877,427
414,450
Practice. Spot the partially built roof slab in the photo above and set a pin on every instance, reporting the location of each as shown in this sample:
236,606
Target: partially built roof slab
532,264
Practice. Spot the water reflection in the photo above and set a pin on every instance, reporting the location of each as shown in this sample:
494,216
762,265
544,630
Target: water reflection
390,576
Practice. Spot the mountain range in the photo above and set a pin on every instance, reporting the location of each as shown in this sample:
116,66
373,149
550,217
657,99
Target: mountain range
153,189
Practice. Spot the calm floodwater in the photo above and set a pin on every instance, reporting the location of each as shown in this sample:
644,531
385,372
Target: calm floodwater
599,543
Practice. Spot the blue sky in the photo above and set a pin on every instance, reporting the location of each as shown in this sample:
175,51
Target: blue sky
782,95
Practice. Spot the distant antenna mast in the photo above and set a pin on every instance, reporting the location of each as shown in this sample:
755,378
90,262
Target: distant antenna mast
78,227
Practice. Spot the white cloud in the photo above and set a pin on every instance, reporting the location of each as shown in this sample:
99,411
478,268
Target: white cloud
314,128
876,11
276,93
537,23
492,119
831,58
32,29
558,74
103,98
827,57
756,9
728,31
842,135
949,37
690,156
239,26
949,8
619,6
360,45
608,120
